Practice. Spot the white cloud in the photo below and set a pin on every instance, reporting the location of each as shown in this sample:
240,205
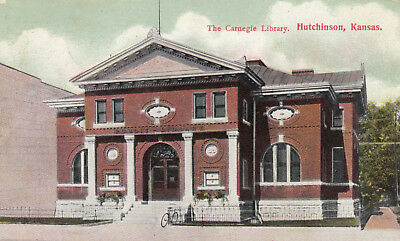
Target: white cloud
43,54
129,37
192,29
55,59
323,51
379,91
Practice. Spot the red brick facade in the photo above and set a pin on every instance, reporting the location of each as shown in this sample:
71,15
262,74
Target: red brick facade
308,130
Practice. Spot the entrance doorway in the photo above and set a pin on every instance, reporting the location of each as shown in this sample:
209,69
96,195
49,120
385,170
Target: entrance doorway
161,175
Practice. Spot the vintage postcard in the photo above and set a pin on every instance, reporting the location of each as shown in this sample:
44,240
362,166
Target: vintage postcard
193,120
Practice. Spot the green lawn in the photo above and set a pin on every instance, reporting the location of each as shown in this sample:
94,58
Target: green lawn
51,221
334,222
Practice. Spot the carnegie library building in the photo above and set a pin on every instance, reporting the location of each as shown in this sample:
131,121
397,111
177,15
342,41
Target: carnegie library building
161,122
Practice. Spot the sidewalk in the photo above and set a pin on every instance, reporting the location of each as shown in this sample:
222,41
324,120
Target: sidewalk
385,220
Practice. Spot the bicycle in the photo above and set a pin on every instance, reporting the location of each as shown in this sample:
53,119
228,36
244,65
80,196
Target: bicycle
171,216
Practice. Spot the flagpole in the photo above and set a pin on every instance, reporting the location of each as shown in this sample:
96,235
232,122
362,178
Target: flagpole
159,16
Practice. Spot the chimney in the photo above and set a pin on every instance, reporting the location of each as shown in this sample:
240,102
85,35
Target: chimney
254,62
302,72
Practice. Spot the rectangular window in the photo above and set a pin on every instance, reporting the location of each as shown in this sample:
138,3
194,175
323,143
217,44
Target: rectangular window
268,166
281,163
245,174
101,113
211,179
294,166
118,110
112,180
245,111
85,164
338,161
219,104
337,119
199,105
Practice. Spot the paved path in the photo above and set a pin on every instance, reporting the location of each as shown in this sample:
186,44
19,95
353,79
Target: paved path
385,220
134,232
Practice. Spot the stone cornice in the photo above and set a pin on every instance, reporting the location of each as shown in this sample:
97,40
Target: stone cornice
71,109
77,102
67,105
162,82
301,91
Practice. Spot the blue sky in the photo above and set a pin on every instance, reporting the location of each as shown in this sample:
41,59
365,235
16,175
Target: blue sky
55,40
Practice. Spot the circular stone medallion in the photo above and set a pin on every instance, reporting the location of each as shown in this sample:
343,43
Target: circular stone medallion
112,154
211,150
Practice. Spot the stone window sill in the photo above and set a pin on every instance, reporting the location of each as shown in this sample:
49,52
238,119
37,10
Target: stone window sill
209,120
277,184
211,188
112,188
109,125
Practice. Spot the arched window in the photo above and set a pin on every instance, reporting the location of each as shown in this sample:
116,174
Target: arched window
80,168
281,163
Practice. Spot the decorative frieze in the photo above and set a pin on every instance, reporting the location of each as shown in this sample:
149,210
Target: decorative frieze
164,82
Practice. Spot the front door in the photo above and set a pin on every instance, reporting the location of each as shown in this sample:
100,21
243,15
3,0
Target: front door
163,183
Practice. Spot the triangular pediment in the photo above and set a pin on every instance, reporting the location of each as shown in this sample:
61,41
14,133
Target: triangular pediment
159,64
157,57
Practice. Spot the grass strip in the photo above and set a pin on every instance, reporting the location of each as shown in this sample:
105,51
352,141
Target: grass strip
334,222
48,221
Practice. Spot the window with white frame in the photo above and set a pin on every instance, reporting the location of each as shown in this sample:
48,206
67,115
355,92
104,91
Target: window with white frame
80,168
101,111
112,180
337,118
338,161
281,163
219,105
245,110
245,174
199,105
211,179
118,110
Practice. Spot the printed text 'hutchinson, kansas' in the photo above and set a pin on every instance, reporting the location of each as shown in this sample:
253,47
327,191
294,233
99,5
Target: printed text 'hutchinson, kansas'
337,27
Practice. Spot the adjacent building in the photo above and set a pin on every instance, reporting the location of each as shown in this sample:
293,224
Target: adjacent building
161,121
28,140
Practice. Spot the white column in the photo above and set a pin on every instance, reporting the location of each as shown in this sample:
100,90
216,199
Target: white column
275,163
288,163
90,145
82,166
130,168
233,166
188,194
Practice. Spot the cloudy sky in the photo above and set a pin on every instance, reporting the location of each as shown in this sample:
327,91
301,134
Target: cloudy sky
57,39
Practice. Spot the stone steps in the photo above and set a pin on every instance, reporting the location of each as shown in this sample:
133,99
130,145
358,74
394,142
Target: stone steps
150,213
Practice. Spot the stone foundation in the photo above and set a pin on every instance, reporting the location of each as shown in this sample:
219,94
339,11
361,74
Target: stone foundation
271,210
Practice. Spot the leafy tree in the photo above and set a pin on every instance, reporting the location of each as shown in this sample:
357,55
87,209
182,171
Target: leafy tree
378,152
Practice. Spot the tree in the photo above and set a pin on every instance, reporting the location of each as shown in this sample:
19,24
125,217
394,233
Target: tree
378,153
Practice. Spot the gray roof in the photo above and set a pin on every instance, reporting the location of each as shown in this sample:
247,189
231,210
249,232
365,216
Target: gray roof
273,77
74,96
